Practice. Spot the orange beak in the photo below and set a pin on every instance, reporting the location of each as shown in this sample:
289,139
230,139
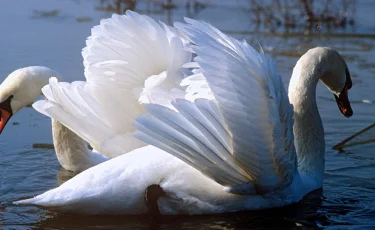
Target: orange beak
6,113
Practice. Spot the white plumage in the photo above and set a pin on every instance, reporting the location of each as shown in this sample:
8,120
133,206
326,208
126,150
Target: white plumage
254,137
128,59
229,143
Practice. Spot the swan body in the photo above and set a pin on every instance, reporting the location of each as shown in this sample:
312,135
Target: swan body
229,144
116,187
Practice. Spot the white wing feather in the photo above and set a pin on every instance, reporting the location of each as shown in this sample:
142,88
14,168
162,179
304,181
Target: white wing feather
129,60
246,134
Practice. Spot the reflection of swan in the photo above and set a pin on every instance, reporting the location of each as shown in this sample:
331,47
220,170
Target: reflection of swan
20,89
241,138
64,175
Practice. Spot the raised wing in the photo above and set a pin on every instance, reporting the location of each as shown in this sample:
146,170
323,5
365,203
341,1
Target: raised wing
129,60
242,136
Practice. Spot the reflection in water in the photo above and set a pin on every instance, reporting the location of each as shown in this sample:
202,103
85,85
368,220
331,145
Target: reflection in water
192,7
64,175
267,14
117,6
307,14
44,14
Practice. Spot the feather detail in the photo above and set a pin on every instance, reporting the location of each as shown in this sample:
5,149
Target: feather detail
241,127
129,60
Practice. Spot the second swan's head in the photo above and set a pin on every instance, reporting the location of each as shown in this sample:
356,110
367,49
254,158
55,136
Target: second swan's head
21,88
333,72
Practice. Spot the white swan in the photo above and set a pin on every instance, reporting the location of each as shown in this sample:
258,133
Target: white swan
20,89
239,147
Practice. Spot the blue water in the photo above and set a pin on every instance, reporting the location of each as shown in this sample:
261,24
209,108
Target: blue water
27,38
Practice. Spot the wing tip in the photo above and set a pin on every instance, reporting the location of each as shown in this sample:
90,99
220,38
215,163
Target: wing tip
27,202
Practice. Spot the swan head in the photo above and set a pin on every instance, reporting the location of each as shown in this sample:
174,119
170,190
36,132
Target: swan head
336,77
330,67
21,88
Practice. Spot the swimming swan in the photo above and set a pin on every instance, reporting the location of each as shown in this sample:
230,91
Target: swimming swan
230,146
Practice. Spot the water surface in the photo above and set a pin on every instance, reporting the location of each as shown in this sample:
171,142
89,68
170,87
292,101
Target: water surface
53,32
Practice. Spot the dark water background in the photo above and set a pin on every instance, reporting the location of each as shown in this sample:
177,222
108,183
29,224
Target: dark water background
53,32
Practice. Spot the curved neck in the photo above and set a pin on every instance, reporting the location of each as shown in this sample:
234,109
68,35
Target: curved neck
71,150
308,128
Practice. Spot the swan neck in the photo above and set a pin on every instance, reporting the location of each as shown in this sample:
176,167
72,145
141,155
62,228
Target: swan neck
308,128
71,150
